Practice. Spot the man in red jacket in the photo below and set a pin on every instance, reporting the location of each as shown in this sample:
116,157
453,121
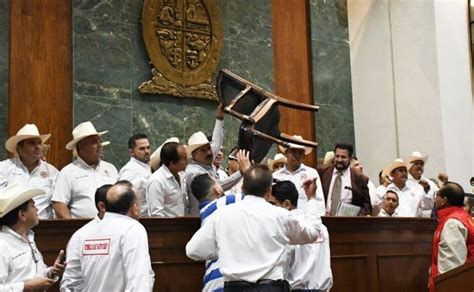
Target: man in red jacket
453,242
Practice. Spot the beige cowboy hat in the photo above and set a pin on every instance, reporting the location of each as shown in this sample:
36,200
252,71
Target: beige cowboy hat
28,131
397,163
279,158
196,140
414,156
329,158
14,195
82,131
155,158
307,150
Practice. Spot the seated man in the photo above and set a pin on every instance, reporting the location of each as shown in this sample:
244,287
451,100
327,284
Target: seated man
21,264
453,242
309,265
389,205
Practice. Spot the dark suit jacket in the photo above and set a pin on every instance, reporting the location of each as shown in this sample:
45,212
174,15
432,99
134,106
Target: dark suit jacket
360,191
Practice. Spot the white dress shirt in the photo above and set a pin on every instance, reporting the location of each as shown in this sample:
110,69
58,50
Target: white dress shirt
383,213
166,197
77,183
297,177
42,177
115,255
309,265
20,260
346,188
72,279
452,251
433,188
249,238
138,174
412,200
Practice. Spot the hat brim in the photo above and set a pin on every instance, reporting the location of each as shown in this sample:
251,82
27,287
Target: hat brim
193,147
71,145
272,162
17,201
13,141
307,150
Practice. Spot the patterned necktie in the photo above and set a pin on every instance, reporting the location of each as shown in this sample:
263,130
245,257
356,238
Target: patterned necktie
336,193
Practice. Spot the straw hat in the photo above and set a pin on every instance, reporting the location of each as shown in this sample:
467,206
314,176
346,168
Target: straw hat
82,131
307,150
155,158
279,158
414,156
14,195
329,157
397,163
27,132
196,140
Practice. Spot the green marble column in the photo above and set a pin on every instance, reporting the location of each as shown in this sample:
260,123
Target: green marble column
331,73
3,75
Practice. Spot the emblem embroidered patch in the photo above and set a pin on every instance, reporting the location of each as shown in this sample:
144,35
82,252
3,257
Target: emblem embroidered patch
96,246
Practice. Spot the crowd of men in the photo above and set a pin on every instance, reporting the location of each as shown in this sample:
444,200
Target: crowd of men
274,211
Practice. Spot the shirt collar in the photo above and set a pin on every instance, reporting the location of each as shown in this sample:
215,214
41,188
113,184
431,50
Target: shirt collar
203,204
250,197
393,186
17,160
167,171
343,172
206,166
9,230
85,165
142,164
301,168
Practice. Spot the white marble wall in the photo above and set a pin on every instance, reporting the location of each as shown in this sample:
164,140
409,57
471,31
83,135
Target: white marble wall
411,83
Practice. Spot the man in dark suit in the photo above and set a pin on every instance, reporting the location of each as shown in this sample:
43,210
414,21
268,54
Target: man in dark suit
342,184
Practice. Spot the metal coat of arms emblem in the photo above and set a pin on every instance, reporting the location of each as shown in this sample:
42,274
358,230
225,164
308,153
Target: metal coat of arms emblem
183,39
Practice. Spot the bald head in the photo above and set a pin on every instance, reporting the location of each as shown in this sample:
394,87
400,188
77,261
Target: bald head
122,199
257,180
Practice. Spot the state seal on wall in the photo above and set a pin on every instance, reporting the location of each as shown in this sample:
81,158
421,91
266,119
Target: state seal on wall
183,39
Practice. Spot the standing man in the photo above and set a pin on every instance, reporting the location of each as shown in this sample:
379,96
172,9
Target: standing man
343,184
256,260
137,171
202,153
27,167
309,265
412,198
166,189
115,254
453,242
297,172
77,182
21,263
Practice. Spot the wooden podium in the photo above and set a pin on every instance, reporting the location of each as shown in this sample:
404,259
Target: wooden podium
459,279
368,254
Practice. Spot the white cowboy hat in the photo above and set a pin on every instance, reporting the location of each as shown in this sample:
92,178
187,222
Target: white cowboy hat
414,156
155,158
329,157
82,131
27,132
397,163
279,158
307,150
14,195
196,140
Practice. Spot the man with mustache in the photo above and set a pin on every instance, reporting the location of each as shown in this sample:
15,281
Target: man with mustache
137,171
343,184
413,199
202,153
77,182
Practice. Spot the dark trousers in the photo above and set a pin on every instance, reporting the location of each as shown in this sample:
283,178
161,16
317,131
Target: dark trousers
260,286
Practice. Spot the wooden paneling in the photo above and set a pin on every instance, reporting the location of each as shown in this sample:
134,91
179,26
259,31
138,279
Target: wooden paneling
292,66
368,254
459,279
40,85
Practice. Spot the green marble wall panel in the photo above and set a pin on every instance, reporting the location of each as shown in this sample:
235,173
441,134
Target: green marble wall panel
331,73
110,62
3,75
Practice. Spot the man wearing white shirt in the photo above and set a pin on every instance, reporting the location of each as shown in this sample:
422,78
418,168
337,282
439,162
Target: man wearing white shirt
166,189
413,199
77,182
21,264
72,279
115,252
217,163
309,265
137,171
390,204
297,172
249,238
27,167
